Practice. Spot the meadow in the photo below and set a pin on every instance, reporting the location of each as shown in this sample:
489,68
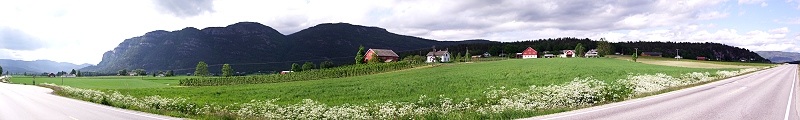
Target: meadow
478,90
456,80
105,82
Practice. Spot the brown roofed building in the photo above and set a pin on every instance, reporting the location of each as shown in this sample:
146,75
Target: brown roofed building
384,54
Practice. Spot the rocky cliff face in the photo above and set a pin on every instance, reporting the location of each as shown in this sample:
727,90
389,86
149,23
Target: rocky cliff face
252,47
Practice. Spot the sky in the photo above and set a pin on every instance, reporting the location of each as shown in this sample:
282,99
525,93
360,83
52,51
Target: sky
80,31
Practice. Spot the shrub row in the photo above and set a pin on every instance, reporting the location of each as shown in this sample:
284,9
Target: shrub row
337,72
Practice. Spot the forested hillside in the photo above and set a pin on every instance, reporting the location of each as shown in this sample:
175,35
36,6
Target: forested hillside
713,51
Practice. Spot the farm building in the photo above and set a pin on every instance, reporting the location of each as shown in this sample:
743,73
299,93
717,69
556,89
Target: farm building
441,54
383,54
592,53
651,54
701,58
549,56
529,53
567,53
286,72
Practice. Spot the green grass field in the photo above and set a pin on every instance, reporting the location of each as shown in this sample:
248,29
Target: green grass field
457,81
108,82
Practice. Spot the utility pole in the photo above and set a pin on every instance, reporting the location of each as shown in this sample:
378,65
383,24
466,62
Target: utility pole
676,54
636,53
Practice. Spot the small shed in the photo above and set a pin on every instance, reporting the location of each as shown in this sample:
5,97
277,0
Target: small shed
530,53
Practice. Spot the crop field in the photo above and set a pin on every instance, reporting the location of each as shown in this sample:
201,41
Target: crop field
457,81
108,82
690,63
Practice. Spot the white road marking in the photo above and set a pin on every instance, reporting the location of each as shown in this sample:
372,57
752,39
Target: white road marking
73,118
734,91
789,103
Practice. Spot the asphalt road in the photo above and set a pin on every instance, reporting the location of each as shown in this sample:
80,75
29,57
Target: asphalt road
765,95
26,102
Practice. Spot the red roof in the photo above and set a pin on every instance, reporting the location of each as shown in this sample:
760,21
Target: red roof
530,51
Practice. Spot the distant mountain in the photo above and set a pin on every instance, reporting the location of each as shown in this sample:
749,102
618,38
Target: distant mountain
38,66
780,57
253,47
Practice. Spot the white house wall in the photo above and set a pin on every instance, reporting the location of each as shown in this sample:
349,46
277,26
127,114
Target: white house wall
529,56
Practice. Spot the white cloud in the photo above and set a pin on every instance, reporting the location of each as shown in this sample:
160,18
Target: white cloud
771,40
750,1
764,4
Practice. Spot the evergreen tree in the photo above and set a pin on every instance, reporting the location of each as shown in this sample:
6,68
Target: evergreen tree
73,72
634,57
296,67
360,55
79,74
467,57
309,66
374,59
227,71
458,57
201,69
580,50
170,73
604,48
326,64
1,70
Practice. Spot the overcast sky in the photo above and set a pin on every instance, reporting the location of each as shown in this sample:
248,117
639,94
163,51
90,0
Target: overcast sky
80,31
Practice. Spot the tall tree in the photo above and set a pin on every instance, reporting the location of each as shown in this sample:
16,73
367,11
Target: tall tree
309,66
122,72
604,48
227,71
201,69
296,67
140,72
467,57
326,64
580,50
1,70
374,59
360,55
79,74
73,72
169,73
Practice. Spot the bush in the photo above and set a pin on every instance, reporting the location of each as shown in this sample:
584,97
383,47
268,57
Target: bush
337,72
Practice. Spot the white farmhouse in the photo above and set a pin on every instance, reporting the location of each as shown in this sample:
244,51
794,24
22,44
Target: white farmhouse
441,54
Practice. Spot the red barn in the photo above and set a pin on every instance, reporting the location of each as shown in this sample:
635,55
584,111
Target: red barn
701,58
383,54
530,53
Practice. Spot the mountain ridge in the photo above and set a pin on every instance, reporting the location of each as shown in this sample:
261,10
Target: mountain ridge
261,48
779,56
38,66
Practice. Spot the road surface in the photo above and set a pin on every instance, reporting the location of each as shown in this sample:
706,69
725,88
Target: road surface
26,102
763,95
